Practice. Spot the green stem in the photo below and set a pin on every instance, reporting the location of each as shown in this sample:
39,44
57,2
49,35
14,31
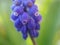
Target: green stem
33,40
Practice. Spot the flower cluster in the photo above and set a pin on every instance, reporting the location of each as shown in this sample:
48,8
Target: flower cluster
26,17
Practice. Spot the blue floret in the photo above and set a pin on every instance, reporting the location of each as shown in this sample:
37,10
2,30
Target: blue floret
34,33
19,9
33,1
25,35
17,2
37,26
24,18
32,10
31,24
14,16
13,6
27,3
18,24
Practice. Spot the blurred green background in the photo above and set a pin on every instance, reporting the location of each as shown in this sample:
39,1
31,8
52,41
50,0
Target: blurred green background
50,24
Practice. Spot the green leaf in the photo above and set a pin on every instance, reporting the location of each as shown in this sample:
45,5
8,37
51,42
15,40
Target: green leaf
49,24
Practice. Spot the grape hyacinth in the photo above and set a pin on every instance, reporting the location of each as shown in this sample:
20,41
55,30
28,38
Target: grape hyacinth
26,18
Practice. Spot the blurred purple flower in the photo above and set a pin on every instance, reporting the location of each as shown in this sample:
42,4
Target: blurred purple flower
26,17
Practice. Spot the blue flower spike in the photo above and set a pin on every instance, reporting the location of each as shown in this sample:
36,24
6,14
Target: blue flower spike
26,17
